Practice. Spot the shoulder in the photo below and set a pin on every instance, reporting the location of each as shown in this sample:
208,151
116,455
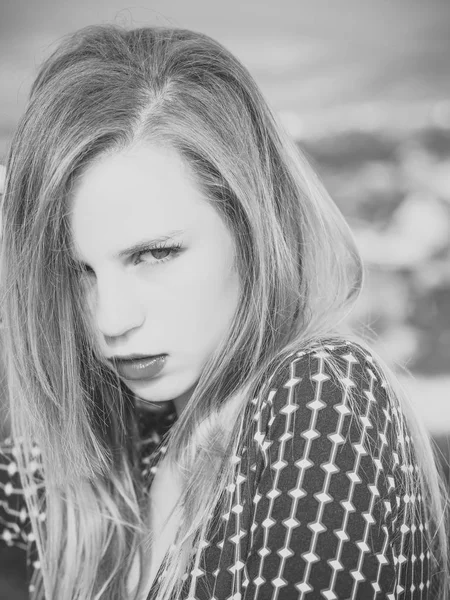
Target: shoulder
327,369
334,390
329,409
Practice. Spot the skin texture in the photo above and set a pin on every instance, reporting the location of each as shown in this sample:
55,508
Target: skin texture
154,302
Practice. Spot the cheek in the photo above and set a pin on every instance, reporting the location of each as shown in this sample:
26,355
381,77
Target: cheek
88,297
212,304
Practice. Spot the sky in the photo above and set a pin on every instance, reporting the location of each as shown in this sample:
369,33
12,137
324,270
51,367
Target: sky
307,55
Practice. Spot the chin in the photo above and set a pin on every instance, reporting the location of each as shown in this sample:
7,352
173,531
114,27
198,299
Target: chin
156,390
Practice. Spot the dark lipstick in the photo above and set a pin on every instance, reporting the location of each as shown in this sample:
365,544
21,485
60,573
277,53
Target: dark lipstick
138,368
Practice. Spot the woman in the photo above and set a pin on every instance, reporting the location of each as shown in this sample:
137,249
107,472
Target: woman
190,416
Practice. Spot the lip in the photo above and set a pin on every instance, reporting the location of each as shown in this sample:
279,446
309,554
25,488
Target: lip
138,367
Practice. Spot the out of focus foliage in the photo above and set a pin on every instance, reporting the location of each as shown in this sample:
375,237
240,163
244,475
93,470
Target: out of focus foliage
394,189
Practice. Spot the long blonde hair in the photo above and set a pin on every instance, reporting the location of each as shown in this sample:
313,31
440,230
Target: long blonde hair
103,89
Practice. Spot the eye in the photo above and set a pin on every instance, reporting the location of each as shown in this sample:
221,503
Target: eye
83,269
87,270
161,253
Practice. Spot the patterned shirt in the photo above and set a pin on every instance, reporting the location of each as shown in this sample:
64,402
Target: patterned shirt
317,506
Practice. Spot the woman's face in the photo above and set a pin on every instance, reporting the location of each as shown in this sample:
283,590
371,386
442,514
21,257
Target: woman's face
146,302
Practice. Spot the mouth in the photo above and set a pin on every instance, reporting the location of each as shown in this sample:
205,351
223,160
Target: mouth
137,367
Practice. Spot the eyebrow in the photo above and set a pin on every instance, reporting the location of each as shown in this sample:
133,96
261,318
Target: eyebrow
135,248
143,245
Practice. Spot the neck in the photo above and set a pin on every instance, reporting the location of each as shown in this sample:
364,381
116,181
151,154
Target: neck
181,401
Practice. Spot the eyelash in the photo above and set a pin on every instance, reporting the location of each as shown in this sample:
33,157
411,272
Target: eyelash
174,250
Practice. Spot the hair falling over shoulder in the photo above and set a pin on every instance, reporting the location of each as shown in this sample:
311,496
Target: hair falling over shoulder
105,88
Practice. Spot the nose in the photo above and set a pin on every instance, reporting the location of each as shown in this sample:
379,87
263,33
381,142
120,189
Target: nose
117,307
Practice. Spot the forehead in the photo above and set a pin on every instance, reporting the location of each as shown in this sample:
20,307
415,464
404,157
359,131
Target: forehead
132,194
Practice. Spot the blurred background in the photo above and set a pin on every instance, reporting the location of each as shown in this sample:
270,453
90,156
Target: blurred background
363,87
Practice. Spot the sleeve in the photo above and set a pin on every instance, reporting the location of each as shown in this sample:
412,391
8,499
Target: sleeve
14,520
14,528
328,511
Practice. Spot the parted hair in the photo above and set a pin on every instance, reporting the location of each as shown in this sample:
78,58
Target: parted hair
103,89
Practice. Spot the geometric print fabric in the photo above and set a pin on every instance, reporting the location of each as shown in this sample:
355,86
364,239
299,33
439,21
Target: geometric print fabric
318,507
